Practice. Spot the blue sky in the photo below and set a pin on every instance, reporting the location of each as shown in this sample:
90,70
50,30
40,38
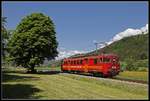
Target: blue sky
79,23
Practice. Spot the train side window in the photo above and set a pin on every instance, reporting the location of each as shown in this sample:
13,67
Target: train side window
86,60
106,60
71,62
100,60
80,61
74,62
95,61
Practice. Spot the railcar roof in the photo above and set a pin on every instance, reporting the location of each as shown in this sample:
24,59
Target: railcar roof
100,55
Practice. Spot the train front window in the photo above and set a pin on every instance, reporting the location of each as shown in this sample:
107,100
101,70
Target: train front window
114,60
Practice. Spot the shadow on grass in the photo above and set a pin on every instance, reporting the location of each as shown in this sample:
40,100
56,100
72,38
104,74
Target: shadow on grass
8,78
19,91
48,72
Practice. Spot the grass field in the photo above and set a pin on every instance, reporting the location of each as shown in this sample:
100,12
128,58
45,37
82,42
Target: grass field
16,84
134,75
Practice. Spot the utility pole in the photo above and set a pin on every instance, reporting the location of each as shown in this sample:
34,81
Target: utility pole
96,44
99,43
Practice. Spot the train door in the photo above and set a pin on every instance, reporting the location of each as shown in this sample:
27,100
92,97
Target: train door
100,63
85,64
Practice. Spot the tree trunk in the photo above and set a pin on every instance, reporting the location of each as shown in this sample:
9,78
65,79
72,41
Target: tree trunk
31,69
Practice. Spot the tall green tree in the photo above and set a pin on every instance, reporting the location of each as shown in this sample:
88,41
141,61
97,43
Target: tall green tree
33,40
4,38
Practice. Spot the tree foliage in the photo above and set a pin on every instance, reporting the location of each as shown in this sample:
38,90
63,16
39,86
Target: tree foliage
5,36
33,40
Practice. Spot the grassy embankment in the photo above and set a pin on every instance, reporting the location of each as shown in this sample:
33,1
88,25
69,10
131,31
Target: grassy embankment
17,84
134,75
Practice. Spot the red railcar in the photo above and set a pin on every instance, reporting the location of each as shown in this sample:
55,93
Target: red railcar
104,65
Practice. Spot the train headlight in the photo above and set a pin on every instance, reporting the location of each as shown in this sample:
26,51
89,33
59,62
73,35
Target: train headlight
113,67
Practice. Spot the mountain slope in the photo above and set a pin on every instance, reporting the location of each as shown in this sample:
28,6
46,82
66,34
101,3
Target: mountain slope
133,47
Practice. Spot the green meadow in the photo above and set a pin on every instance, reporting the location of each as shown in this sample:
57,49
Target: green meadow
17,84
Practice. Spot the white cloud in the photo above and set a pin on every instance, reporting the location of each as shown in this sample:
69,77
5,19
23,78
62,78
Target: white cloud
145,28
128,32
63,53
